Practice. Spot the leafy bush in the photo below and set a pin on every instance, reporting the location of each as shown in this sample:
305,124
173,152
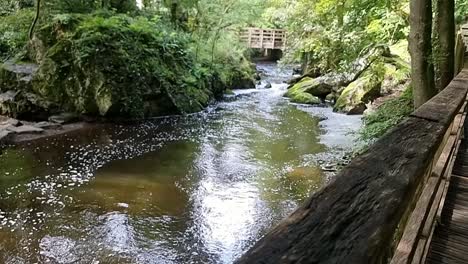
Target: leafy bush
116,65
7,7
89,6
461,11
14,32
388,115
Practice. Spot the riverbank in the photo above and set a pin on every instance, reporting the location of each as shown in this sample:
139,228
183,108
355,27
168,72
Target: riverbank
115,66
13,131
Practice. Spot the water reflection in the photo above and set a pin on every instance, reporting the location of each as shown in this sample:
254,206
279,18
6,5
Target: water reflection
194,189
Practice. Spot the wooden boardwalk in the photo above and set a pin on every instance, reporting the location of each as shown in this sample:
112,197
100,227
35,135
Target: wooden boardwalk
449,242
450,239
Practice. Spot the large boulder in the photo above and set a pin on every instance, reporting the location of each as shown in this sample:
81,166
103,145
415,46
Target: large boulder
106,70
305,98
24,105
309,90
319,87
299,94
356,95
18,75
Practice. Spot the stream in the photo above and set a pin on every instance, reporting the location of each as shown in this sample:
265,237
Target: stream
201,188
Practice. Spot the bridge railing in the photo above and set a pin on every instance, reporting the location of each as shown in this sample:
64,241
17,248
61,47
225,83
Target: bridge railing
264,38
382,207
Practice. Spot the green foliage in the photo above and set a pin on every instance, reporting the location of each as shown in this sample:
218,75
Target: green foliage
8,7
107,57
330,34
89,6
461,11
388,115
111,64
13,32
121,66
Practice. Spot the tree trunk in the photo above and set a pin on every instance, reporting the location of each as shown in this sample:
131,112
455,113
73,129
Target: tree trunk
420,45
36,18
445,46
174,14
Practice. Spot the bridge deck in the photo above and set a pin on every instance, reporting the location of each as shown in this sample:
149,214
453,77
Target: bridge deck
450,239
259,38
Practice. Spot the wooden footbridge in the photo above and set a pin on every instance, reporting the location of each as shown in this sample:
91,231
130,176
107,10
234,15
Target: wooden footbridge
258,38
405,200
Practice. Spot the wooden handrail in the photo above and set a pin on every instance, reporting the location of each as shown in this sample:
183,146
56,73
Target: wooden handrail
414,243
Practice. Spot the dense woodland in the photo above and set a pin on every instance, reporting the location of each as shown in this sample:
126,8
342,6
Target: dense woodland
121,58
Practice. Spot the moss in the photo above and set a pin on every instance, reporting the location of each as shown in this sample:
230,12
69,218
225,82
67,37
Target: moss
302,97
316,87
116,65
13,32
305,98
119,66
299,93
365,89
229,92
388,115
400,49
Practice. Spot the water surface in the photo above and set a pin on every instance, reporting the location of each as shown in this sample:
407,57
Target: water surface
189,189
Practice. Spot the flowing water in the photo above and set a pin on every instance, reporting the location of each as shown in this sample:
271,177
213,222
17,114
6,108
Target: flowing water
189,189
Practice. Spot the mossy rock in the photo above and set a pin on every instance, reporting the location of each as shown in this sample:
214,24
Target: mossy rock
365,89
316,87
400,49
395,75
242,76
115,65
119,66
302,97
17,76
300,92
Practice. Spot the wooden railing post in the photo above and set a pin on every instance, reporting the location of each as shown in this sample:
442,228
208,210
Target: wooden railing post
261,38
274,39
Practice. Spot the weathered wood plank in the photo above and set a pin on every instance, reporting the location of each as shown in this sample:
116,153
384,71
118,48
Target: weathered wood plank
418,255
353,219
445,158
408,242
444,106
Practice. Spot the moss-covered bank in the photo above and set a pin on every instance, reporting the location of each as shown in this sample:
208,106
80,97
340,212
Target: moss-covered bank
386,116
114,65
